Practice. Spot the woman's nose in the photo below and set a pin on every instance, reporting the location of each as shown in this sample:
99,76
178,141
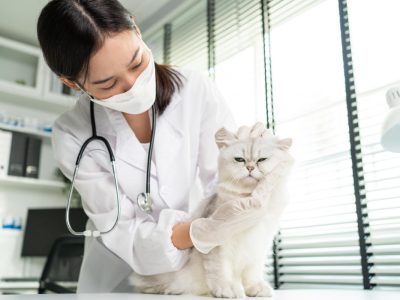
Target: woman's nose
129,81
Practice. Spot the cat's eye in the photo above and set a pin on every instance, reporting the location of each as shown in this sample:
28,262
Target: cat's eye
262,159
239,159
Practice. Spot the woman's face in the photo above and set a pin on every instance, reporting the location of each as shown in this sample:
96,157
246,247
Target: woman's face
116,65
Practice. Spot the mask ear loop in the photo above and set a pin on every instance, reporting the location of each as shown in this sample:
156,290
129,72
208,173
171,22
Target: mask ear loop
84,91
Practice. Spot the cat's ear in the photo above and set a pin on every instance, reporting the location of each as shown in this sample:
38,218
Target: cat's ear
285,144
224,137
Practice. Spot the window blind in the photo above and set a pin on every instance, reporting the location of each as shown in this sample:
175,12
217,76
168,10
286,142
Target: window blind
282,10
344,185
189,39
156,43
376,64
238,57
318,241
237,25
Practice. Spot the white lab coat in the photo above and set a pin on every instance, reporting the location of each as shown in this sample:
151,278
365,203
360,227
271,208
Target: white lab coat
184,149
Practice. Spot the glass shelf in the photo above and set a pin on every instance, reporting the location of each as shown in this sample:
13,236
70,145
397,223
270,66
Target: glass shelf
26,130
31,182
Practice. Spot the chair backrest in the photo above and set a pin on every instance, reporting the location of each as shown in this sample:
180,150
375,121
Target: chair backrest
64,260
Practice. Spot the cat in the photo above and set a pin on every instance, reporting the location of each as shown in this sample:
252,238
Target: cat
236,268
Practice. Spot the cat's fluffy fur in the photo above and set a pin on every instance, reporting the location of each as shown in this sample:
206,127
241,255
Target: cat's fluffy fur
236,268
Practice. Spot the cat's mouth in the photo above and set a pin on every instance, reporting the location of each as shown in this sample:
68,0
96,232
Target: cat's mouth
251,177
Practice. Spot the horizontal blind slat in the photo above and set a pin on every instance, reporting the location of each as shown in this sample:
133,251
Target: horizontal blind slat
337,251
322,260
349,279
323,270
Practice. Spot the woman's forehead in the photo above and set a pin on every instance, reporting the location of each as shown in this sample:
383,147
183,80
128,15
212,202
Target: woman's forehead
115,53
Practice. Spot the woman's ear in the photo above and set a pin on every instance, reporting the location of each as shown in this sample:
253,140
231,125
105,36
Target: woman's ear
136,27
138,32
224,137
69,83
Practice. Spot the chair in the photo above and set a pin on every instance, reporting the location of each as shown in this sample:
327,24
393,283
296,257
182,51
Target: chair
62,265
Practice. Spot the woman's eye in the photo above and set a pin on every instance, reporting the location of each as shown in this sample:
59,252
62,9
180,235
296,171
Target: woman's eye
262,159
137,66
110,87
239,159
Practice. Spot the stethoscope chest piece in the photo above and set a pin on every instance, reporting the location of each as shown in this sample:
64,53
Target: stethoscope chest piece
144,202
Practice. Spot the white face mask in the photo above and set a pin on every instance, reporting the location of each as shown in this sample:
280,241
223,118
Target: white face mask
139,98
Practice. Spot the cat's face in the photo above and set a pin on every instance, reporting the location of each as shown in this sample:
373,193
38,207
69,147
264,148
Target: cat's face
246,161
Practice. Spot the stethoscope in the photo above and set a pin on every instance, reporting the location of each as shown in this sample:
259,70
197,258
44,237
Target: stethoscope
143,199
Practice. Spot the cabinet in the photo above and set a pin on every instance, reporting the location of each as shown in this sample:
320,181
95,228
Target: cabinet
28,89
21,69
55,92
25,78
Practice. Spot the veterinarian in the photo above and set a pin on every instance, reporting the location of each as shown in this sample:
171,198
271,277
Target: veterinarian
96,48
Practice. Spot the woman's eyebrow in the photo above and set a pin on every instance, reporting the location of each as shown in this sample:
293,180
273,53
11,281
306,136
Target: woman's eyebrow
107,79
134,56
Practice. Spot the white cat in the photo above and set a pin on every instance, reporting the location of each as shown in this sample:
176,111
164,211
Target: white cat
236,268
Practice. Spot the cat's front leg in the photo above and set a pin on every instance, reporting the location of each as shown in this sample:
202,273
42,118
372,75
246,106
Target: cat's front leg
254,284
266,186
259,289
219,276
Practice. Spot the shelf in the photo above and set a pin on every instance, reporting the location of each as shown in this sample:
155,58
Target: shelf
56,104
31,182
10,232
26,80
64,101
26,130
19,285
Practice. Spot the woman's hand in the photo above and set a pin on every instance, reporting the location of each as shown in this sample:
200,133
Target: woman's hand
180,236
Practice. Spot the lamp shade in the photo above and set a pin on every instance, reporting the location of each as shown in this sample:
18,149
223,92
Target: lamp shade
390,137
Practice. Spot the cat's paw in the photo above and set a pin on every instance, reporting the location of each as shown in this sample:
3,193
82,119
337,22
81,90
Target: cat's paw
263,189
228,290
259,289
284,167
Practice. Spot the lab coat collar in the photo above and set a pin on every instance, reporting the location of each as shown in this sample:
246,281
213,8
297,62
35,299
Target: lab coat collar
167,140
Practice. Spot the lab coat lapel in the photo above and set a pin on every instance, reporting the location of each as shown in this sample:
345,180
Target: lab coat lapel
128,147
168,145
169,138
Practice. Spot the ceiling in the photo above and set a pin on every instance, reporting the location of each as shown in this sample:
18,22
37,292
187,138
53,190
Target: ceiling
18,17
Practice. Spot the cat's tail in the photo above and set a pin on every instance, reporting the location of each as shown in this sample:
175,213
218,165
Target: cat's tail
189,280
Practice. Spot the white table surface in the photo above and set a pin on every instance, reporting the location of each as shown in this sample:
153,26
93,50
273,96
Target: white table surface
279,295
19,284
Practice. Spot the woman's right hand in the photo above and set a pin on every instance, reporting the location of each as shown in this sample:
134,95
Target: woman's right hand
229,219
180,236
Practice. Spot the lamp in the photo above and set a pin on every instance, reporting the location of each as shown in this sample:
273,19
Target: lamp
390,136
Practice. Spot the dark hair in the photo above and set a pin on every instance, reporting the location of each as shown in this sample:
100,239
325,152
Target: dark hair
71,31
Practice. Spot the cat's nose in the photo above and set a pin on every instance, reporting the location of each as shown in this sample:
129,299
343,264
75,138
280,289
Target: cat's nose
250,168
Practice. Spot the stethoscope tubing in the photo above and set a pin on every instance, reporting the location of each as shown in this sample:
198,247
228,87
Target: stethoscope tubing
147,205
